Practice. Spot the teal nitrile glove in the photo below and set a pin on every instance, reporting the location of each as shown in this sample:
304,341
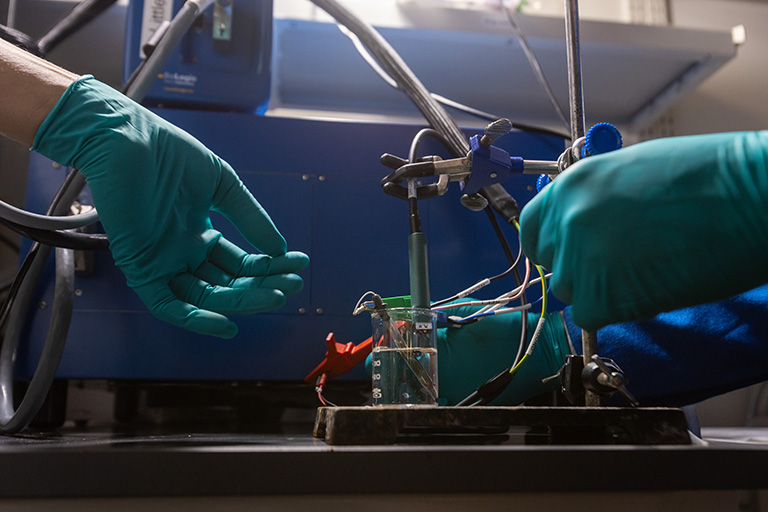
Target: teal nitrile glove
470,355
153,186
654,227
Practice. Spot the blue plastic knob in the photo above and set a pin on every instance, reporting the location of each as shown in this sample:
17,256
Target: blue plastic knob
542,182
602,138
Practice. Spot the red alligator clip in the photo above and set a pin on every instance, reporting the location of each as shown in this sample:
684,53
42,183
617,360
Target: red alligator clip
340,358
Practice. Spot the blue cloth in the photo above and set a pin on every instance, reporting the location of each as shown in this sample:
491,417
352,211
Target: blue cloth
685,356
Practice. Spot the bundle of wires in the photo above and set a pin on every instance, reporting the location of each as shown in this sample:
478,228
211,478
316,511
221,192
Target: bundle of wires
491,389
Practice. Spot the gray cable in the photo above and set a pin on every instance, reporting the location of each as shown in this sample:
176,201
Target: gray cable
389,81
396,68
167,45
12,421
37,221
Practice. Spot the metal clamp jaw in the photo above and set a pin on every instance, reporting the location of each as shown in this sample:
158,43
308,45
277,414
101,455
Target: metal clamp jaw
601,375
484,165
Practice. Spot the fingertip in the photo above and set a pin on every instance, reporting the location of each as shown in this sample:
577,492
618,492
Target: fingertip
293,284
298,260
228,332
275,300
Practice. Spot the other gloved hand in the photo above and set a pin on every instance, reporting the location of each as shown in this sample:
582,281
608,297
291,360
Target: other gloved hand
468,356
153,186
654,227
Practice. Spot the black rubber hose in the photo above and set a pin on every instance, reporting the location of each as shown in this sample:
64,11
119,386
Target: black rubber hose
77,18
63,239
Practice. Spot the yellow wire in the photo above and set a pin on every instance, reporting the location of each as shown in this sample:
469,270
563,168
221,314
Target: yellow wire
543,301
514,369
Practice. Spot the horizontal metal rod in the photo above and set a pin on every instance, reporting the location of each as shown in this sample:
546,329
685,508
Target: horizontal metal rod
540,167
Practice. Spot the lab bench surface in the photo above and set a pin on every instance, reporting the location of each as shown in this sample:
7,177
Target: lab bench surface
83,464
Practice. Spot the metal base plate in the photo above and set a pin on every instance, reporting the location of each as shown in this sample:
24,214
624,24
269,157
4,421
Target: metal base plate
554,425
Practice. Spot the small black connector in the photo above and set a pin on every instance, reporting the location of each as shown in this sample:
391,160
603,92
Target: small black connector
502,202
489,391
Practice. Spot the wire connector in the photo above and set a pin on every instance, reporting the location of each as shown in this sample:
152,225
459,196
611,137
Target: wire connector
339,359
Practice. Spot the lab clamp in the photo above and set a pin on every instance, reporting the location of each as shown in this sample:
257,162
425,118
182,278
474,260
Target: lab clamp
486,165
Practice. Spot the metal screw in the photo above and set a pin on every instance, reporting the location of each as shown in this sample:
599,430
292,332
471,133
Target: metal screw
474,202
319,311
302,311
79,292
495,130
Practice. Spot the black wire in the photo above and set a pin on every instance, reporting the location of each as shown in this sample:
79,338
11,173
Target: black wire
523,298
495,278
538,129
58,238
497,384
524,127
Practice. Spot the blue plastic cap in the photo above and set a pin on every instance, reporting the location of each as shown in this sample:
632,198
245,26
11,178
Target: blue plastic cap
602,138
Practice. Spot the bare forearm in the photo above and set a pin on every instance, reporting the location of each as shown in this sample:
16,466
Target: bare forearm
30,87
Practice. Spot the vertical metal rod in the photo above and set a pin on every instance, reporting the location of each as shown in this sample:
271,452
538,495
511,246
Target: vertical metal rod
575,92
576,97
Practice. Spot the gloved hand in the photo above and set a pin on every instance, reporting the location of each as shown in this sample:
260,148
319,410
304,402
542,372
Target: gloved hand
654,227
470,355
153,186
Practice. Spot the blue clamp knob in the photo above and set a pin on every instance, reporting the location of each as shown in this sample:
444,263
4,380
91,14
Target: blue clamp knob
542,182
601,138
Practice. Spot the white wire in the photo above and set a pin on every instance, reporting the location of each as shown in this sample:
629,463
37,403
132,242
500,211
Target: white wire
517,291
46,222
512,294
358,308
516,309
536,334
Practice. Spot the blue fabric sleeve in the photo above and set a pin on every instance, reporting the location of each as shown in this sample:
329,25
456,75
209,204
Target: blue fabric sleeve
685,356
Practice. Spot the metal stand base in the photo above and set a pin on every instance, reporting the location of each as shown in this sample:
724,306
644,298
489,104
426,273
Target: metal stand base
554,425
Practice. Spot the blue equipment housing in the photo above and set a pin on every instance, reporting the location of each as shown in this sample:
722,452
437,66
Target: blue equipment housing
321,183
222,63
